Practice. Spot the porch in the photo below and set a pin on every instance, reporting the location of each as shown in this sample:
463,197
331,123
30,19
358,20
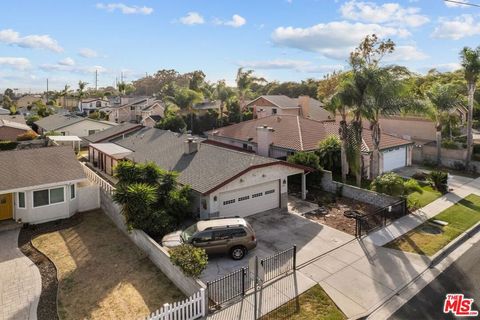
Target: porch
105,156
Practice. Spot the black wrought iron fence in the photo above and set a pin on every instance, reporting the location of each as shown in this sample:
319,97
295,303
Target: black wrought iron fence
382,217
279,264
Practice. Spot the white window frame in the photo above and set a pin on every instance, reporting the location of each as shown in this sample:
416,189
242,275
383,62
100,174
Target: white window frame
24,200
49,204
74,191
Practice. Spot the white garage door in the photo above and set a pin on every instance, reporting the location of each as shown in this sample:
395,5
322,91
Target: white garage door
394,158
251,200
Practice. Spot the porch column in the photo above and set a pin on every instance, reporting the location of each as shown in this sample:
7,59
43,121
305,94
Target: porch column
304,186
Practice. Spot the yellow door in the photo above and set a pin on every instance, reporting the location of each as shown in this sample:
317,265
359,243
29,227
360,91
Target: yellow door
6,206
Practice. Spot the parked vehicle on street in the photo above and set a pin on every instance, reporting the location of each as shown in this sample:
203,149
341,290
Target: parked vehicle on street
233,236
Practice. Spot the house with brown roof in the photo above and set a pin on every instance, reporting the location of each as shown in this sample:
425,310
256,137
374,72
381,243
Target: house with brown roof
224,182
12,126
280,136
43,184
135,111
90,105
305,106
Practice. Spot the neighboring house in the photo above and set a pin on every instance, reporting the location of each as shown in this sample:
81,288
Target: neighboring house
119,131
4,111
304,106
280,136
136,111
224,182
27,100
18,118
90,105
202,108
151,121
10,130
70,125
43,184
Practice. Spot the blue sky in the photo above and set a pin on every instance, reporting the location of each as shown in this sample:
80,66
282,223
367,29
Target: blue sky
66,41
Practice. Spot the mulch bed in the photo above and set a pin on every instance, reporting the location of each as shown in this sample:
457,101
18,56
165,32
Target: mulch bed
47,306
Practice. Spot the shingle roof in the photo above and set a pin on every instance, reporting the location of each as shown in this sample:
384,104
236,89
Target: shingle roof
39,166
112,132
18,118
203,170
297,133
56,121
281,101
16,125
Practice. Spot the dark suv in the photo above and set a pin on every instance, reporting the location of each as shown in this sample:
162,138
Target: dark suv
234,236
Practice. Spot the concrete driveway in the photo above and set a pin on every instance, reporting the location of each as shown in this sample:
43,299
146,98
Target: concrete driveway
278,230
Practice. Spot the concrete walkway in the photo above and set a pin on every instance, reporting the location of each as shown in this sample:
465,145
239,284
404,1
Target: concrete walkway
462,187
20,281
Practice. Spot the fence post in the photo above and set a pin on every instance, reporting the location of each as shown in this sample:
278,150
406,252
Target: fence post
203,302
244,274
166,307
294,257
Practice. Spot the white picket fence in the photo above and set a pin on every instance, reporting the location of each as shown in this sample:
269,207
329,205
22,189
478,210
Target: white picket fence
94,177
189,309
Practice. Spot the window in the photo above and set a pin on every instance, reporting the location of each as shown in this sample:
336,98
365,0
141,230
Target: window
48,196
222,235
228,202
204,237
245,146
56,195
21,199
243,198
72,191
238,233
270,191
40,198
256,195
132,108
274,111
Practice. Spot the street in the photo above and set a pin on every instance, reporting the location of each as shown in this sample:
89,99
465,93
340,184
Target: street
463,276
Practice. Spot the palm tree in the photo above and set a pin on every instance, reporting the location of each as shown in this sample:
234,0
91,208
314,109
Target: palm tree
64,93
471,65
337,105
443,98
184,99
81,87
223,93
245,80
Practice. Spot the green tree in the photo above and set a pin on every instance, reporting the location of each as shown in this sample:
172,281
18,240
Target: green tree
173,122
42,109
471,66
81,90
224,94
184,99
329,153
245,80
234,111
64,93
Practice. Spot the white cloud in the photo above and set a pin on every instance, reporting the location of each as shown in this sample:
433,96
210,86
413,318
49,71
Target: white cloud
72,68
236,21
192,18
457,28
297,65
333,39
388,13
67,62
123,8
447,67
15,63
12,37
456,3
405,53
88,53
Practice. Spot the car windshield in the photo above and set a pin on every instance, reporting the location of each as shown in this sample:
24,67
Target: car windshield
188,233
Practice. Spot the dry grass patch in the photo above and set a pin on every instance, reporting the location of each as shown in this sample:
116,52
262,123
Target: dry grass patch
102,274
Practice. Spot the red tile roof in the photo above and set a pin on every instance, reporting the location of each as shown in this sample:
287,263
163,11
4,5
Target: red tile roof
299,134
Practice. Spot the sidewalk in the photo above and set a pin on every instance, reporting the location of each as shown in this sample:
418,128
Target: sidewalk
407,223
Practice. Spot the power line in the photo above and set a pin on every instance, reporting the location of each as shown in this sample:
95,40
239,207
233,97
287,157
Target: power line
464,3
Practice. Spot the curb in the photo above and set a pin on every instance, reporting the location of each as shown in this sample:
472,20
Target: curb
438,257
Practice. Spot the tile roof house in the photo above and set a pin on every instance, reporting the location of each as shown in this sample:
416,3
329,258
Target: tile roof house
135,111
304,106
71,125
43,184
224,182
279,136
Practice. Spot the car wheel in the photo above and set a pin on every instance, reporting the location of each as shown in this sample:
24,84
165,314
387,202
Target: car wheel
237,253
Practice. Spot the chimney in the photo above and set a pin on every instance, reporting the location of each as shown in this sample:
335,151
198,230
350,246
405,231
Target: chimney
304,102
190,146
264,140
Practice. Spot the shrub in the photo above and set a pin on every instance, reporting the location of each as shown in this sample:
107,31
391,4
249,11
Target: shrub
8,145
329,150
28,135
439,179
449,144
459,165
420,176
412,185
389,183
307,159
172,122
190,259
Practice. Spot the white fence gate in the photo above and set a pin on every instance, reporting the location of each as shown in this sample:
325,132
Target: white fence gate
190,309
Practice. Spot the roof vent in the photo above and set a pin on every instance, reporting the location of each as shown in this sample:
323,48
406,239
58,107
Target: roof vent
190,145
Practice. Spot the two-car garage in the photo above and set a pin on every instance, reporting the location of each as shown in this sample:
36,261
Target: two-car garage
394,158
250,200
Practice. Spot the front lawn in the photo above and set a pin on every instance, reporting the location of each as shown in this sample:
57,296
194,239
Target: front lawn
420,200
102,274
428,238
313,304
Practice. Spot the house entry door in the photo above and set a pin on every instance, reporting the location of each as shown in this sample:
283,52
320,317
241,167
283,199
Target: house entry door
6,206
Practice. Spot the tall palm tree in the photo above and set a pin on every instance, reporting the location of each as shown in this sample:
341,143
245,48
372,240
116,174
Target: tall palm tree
245,80
471,65
184,99
443,99
337,105
223,93
64,93
81,90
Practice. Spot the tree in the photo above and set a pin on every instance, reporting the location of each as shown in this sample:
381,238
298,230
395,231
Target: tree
9,93
184,99
245,80
234,110
81,90
329,153
471,66
307,159
42,109
197,80
224,94
9,104
150,197
173,122
64,93
443,98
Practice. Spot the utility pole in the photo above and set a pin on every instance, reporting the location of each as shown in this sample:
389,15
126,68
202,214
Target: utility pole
47,90
121,76
96,80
